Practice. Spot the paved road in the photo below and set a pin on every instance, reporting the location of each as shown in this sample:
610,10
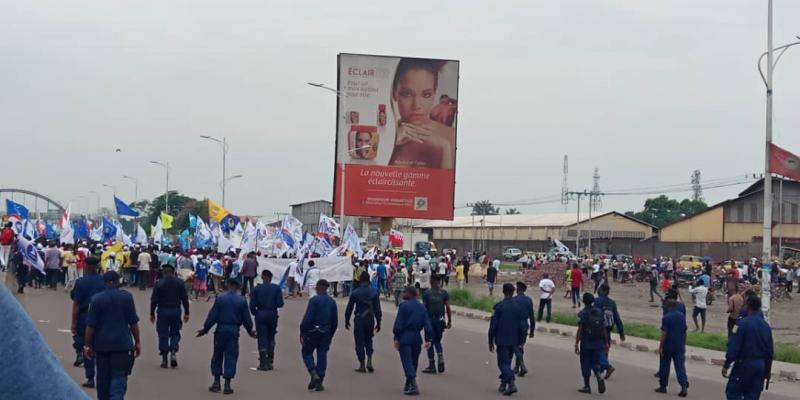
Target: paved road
471,371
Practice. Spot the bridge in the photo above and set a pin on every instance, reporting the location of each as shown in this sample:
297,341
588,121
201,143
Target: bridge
48,200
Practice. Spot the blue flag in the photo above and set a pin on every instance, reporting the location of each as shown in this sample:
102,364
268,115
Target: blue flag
124,210
184,239
109,230
16,210
192,221
229,223
50,233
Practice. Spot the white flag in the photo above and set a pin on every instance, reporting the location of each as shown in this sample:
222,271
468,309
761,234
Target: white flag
328,226
30,254
141,235
67,233
158,232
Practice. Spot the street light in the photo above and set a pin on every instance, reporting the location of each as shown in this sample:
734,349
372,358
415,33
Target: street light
135,186
112,187
340,95
230,178
166,191
766,236
98,199
225,147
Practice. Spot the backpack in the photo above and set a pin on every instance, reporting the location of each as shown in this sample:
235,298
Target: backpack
436,303
608,316
594,324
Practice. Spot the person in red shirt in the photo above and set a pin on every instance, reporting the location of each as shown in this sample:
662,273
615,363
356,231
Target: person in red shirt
665,283
577,281
6,241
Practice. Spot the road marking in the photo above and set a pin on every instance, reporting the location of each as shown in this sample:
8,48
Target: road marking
44,321
64,330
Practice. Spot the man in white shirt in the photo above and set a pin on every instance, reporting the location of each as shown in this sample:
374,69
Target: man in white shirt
699,293
312,275
547,287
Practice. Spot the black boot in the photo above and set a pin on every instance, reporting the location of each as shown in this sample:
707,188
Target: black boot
431,367
412,389
271,357
164,360
502,387
406,385
370,368
361,368
684,391
173,359
661,389
318,387
511,388
523,370
228,389
215,387
262,360
441,363
314,378
78,360
88,384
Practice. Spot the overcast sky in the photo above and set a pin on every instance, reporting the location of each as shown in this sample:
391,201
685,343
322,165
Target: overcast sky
647,91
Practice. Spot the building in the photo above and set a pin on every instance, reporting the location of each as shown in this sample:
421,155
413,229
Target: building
739,221
308,213
610,232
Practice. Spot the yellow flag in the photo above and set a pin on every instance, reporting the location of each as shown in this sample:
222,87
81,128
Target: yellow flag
215,211
116,248
166,220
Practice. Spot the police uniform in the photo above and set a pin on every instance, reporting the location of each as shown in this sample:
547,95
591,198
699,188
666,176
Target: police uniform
750,349
412,317
228,313
165,304
265,300
436,315
507,330
610,312
81,294
317,329
526,305
367,304
673,324
112,313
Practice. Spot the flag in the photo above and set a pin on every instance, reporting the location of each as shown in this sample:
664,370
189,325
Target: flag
352,242
192,221
121,236
28,230
29,252
157,232
109,230
784,163
396,238
328,226
67,233
291,231
97,233
16,211
184,239
215,211
166,220
141,235
202,233
229,223
249,239
223,245
124,210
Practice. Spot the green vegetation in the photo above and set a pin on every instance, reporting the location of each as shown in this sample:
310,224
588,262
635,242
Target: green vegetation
786,352
510,267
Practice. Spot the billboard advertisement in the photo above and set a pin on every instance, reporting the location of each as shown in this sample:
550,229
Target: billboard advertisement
396,136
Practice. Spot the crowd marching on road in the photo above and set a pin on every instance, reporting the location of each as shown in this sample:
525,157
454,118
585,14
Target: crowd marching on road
106,329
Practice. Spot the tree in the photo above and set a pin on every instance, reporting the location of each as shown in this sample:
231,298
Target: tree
662,210
512,211
179,207
484,207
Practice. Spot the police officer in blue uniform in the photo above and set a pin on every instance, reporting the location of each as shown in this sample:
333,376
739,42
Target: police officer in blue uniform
612,319
412,317
228,313
507,331
672,348
367,321
526,304
112,337
169,294
590,339
316,333
85,287
265,300
750,350
437,301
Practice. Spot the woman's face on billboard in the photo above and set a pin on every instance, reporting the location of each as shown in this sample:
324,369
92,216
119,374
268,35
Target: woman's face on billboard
415,96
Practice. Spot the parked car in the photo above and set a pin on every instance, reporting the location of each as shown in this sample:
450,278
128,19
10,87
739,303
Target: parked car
512,253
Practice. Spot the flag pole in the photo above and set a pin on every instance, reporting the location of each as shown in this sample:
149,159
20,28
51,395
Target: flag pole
766,250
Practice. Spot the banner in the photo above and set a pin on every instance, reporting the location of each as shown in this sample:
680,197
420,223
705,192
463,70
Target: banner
396,136
333,269
784,163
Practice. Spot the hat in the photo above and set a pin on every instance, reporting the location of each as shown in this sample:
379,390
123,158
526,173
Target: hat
112,254
111,276
39,246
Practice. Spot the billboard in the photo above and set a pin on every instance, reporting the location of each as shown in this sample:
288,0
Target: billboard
396,136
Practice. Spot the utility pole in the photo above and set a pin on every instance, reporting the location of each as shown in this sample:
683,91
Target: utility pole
697,188
594,199
564,185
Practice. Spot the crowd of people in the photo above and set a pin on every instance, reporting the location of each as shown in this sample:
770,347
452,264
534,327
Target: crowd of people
107,338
